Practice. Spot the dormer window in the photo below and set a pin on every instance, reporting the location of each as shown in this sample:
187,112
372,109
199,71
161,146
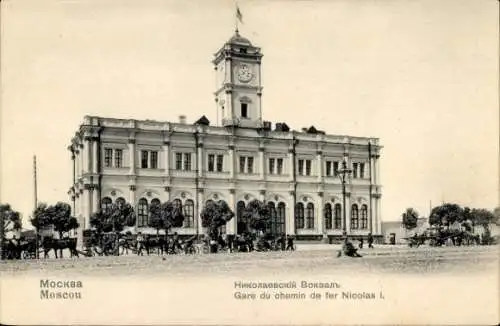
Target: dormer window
242,50
244,110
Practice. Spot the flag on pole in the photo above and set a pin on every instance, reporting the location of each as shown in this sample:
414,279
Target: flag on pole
239,15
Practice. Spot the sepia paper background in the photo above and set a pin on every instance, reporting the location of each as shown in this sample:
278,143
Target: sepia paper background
420,75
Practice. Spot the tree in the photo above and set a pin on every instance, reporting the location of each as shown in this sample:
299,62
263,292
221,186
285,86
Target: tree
58,216
120,216
446,215
410,219
116,218
9,220
258,213
42,216
62,220
166,216
483,217
98,221
156,217
496,214
214,215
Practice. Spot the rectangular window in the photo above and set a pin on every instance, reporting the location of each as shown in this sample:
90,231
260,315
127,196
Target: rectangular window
178,161
280,166
220,163
118,158
244,110
108,157
335,168
250,164
242,164
301,167
211,162
144,159
328,168
271,166
187,161
308,167
153,160
354,170
362,170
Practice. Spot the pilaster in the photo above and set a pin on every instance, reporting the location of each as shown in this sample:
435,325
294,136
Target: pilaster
290,216
319,165
262,163
320,214
232,160
95,199
199,157
95,155
166,156
132,156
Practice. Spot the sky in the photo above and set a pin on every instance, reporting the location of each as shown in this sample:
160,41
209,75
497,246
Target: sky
422,76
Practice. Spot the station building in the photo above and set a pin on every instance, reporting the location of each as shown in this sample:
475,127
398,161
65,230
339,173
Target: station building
241,158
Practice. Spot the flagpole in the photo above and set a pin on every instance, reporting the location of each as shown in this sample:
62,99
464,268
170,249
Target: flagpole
236,17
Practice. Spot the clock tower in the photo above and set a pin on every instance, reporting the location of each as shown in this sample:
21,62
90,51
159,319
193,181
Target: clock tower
238,94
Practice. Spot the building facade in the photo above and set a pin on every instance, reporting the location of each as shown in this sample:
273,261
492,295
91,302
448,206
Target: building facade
240,159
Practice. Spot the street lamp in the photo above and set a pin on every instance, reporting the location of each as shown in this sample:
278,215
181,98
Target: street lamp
343,174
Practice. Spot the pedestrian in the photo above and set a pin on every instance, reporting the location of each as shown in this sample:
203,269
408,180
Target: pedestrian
361,243
140,243
289,244
370,240
282,242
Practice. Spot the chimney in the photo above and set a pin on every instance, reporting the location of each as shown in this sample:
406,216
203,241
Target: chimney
182,119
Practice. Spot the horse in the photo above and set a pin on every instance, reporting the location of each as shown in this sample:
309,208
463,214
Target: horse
159,242
50,243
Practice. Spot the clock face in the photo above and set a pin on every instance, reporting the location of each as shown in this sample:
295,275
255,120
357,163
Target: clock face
245,73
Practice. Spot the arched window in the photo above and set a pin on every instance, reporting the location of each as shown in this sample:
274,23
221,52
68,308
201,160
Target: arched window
328,216
106,204
310,216
299,216
280,218
156,202
272,222
354,217
242,225
364,217
189,214
177,204
338,217
142,212
120,202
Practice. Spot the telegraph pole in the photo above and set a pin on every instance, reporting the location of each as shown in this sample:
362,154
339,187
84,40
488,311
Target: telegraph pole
35,201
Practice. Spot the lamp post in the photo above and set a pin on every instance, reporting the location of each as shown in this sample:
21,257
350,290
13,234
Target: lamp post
343,174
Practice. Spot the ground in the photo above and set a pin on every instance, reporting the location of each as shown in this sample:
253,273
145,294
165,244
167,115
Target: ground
388,285
308,258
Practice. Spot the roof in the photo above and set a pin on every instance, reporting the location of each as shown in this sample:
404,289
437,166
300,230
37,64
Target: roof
238,39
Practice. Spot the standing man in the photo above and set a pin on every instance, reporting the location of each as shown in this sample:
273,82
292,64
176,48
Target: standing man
140,243
370,240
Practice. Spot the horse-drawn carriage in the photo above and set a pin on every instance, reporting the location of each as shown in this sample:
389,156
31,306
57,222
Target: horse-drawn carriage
436,237
25,246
